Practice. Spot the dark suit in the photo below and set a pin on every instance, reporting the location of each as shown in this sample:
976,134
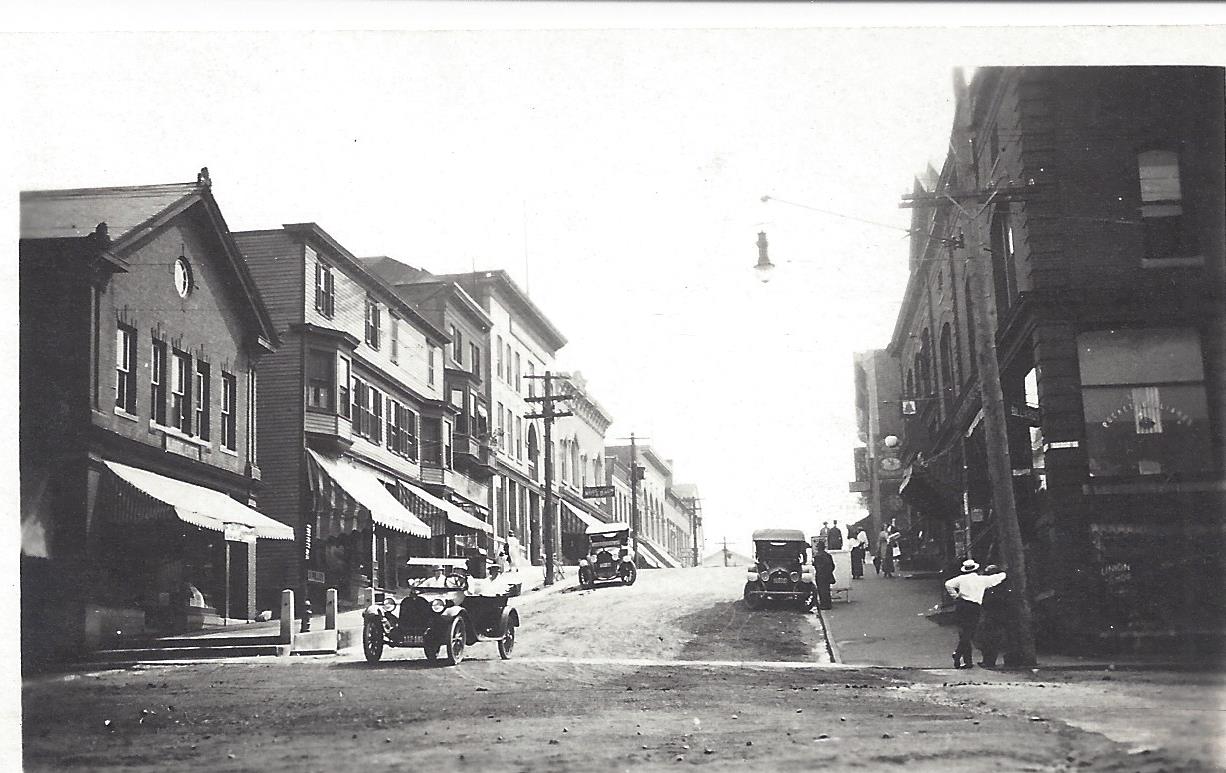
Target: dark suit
823,565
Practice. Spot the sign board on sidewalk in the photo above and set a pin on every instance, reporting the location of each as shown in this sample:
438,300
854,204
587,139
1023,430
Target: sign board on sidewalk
597,492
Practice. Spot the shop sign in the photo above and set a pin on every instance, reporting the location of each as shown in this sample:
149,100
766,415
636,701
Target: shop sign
237,532
597,492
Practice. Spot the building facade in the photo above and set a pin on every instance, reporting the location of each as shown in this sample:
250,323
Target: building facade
880,413
523,345
1091,200
360,430
579,463
141,331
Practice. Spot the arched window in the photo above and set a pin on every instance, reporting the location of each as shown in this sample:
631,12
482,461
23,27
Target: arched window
970,328
947,360
533,449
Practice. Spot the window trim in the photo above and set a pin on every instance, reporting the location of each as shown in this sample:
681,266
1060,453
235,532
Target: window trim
325,289
204,395
125,369
229,412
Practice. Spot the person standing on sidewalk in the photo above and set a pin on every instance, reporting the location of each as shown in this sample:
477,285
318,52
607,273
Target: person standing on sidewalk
992,635
834,537
967,592
823,566
858,545
885,550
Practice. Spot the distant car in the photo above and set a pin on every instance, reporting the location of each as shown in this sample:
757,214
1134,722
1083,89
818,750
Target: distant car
610,558
442,615
781,571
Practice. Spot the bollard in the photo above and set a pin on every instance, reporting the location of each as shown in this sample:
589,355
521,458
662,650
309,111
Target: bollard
330,611
306,616
287,617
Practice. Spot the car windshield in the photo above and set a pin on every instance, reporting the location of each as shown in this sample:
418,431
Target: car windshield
449,578
775,553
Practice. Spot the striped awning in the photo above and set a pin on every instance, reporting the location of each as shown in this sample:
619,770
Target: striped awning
142,496
454,513
587,519
368,493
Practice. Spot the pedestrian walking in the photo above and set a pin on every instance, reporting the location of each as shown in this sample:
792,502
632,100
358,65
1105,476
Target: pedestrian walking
834,537
992,634
823,566
822,532
967,591
857,555
886,541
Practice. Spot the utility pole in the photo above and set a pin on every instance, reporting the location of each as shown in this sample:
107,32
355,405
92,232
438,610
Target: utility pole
548,413
1000,466
725,551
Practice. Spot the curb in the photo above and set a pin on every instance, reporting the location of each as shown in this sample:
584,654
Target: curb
836,656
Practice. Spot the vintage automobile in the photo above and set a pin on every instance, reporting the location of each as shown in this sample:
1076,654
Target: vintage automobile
609,556
443,614
782,570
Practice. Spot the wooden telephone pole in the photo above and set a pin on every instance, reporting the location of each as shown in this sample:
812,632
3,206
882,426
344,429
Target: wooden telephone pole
635,476
548,413
996,439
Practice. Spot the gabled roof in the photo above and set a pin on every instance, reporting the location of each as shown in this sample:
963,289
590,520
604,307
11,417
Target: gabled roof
119,218
75,213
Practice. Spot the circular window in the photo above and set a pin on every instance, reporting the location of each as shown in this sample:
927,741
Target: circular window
183,277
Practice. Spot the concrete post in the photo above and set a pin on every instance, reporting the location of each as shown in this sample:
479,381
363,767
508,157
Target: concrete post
330,611
287,617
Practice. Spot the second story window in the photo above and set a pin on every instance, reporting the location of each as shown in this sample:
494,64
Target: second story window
498,357
325,293
361,408
474,352
531,380
125,369
229,424
181,393
321,369
431,364
457,345
408,432
157,383
373,321
203,399
518,380
1162,205
376,416
393,425
342,386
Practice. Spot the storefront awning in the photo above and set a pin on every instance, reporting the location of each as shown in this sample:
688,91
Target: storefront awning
367,491
163,497
455,514
588,520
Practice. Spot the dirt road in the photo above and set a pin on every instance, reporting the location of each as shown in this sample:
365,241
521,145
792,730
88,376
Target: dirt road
612,679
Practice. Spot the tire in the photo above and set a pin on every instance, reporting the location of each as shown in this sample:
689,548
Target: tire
809,600
630,575
753,602
457,637
586,580
431,652
372,640
507,643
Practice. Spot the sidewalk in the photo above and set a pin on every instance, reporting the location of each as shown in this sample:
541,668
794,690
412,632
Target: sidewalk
884,625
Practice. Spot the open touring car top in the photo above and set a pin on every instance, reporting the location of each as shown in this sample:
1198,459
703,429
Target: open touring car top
607,530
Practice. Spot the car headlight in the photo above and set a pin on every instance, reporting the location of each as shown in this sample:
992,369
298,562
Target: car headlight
438,605
389,603
794,576
764,576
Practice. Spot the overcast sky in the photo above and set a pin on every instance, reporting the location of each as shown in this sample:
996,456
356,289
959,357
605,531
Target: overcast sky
617,175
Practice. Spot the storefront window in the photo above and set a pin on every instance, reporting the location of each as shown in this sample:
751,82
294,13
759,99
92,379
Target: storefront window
1144,400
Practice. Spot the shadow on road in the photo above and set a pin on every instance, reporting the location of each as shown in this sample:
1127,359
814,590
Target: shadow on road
730,630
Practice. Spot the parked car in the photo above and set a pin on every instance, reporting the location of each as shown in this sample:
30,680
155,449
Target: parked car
782,570
610,557
443,614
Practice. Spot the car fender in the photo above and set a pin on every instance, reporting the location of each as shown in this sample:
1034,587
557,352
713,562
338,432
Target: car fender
510,616
373,612
583,562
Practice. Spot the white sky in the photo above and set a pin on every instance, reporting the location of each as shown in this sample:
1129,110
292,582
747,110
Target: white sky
616,174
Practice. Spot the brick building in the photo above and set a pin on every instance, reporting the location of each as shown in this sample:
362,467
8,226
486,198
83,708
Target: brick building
141,330
1092,198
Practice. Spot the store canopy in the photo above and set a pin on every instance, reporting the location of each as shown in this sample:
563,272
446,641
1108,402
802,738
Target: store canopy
455,514
367,491
590,521
159,497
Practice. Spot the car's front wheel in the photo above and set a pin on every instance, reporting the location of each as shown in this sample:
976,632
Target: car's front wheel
507,643
585,578
372,640
456,638
751,600
629,574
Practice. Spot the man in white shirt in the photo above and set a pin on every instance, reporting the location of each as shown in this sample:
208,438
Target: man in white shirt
967,592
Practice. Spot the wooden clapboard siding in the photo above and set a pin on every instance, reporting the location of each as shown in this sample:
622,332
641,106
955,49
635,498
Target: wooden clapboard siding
276,263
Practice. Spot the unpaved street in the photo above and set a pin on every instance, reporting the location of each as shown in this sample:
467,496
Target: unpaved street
612,679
